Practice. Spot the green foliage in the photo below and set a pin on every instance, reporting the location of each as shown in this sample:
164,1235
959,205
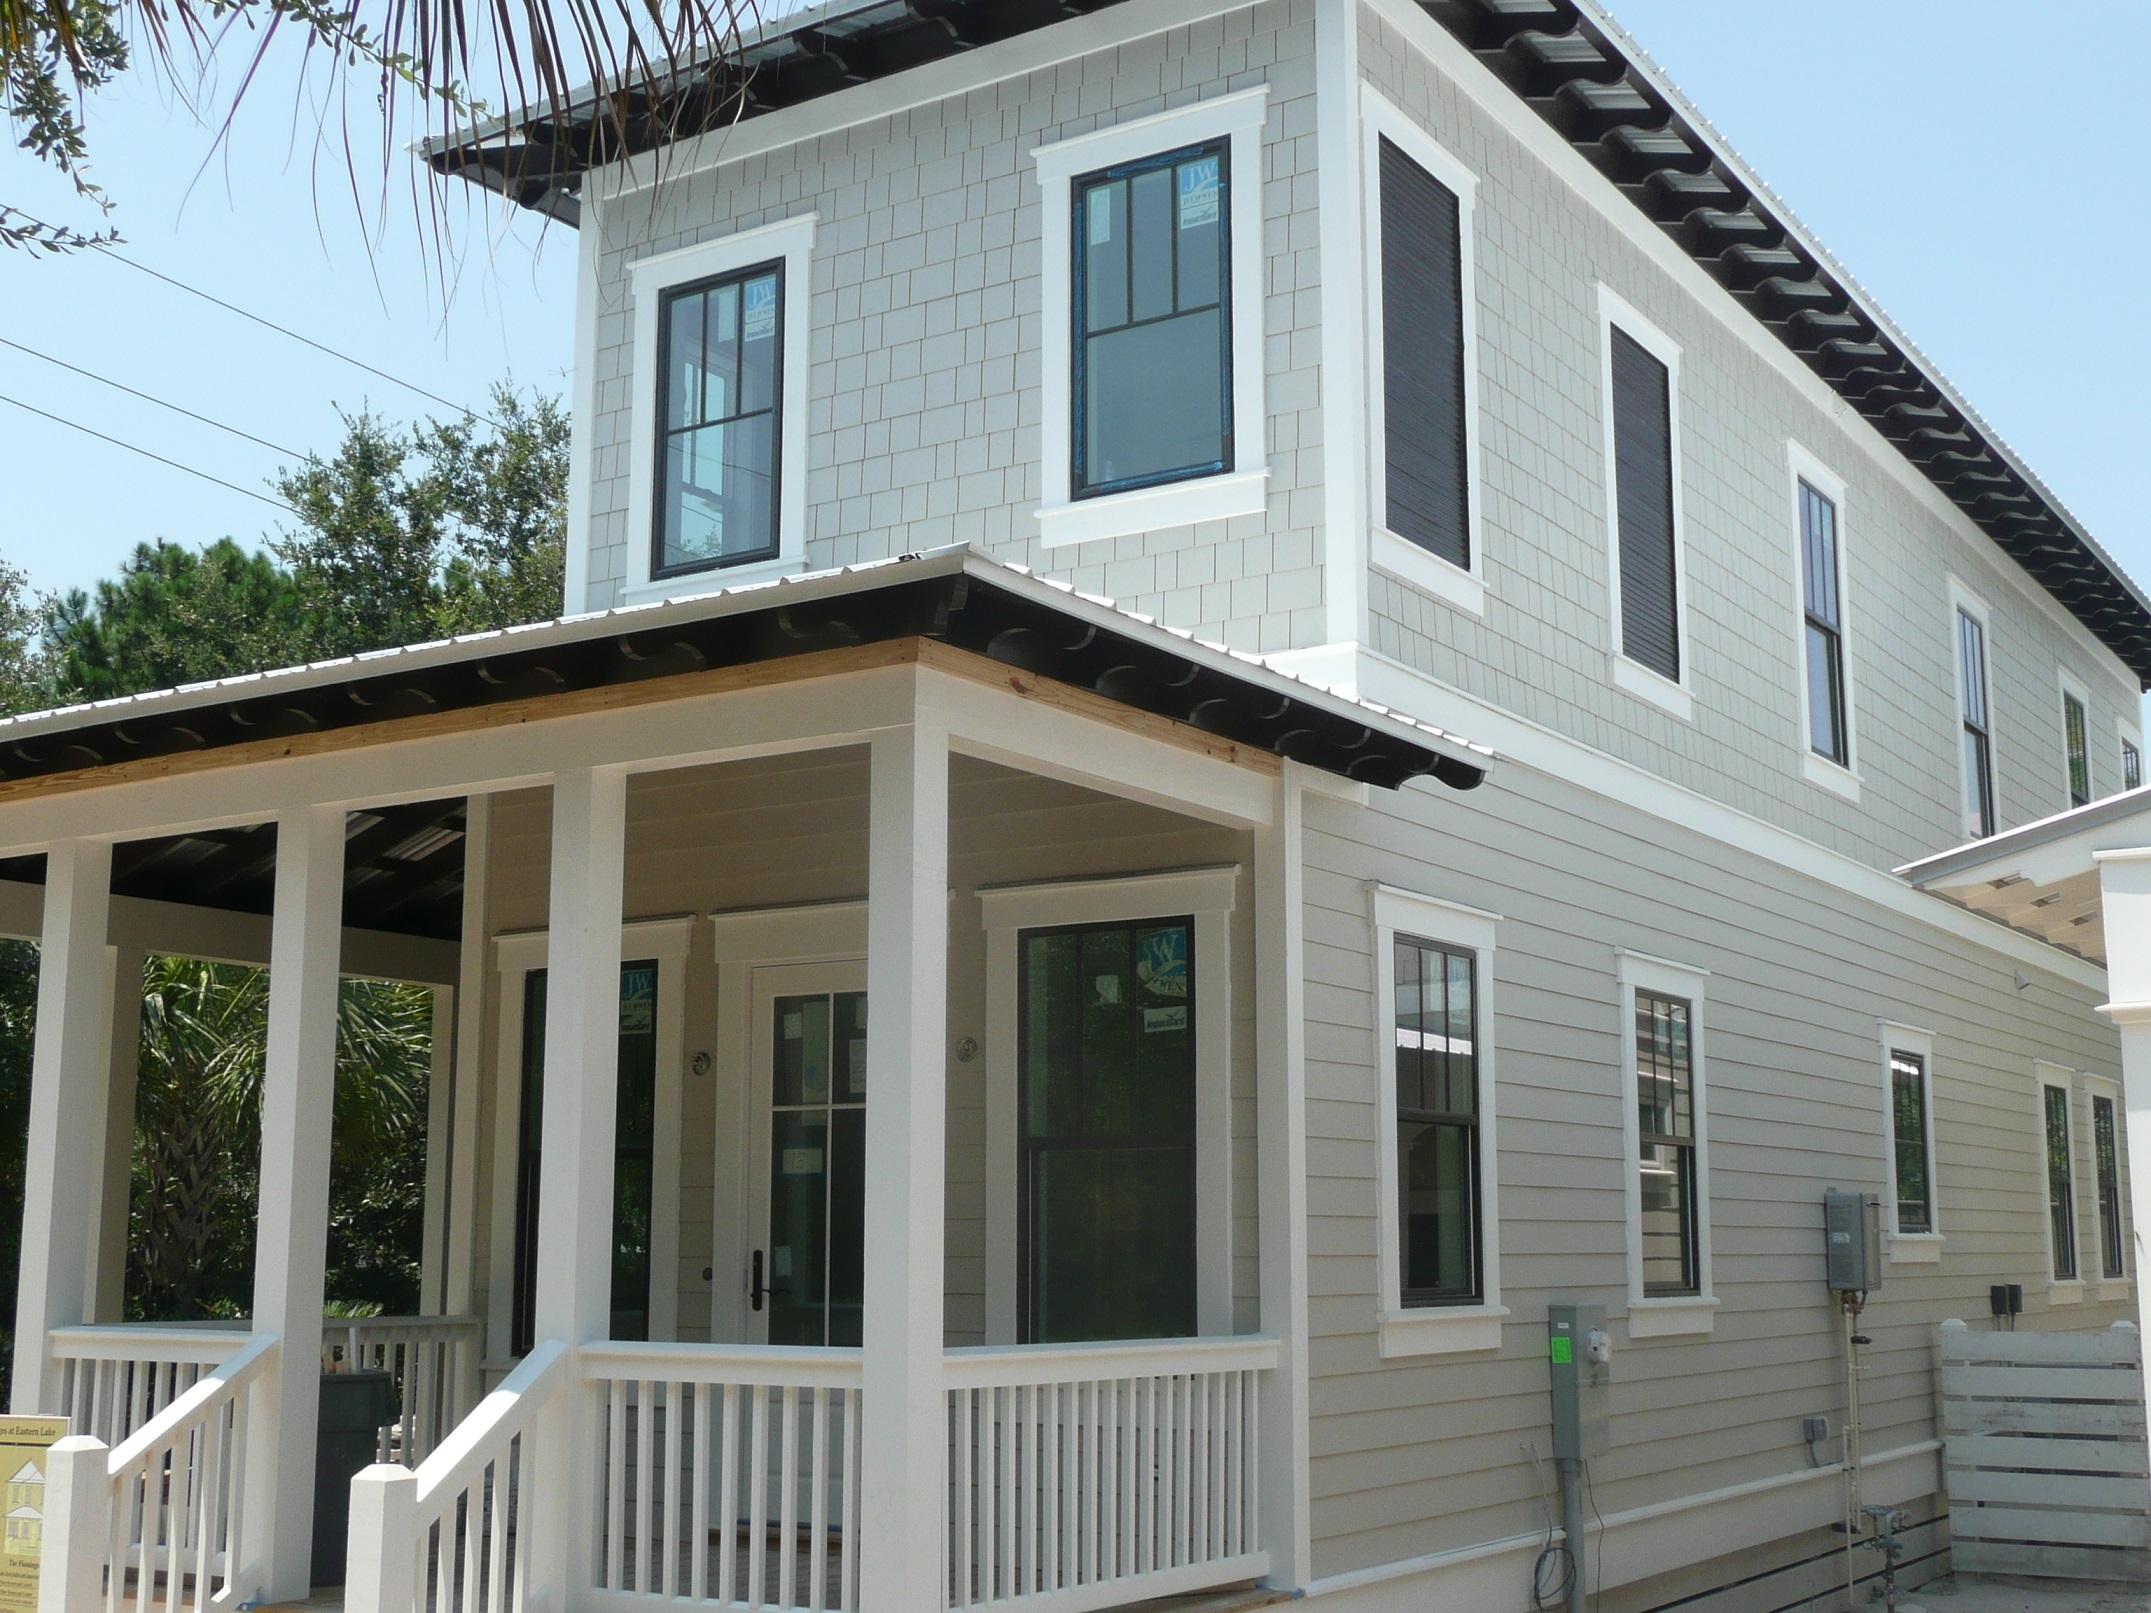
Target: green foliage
22,670
172,616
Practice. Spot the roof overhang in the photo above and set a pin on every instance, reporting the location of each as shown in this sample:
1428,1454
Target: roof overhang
2043,878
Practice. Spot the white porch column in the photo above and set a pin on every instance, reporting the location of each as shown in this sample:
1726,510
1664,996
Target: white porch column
291,1240
2125,903
579,1123
108,1258
1281,1140
67,1113
903,1423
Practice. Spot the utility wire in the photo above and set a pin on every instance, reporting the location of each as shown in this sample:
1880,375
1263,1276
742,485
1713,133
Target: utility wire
121,386
116,442
283,330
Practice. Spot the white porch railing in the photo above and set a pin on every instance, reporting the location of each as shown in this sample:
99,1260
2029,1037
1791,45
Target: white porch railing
727,1475
1087,1476
434,1361
165,1506
114,1378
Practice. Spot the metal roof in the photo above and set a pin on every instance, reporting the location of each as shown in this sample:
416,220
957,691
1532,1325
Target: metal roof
1568,61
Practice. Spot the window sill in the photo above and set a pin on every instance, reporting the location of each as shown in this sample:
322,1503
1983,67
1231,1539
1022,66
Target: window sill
1399,557
2115,1288
2069,1291
1645,684
1838,780
1451,1330
1151,509
1673,1317
1915,1248
694,584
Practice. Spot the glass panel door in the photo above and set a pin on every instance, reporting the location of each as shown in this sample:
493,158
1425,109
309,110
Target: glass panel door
806,1258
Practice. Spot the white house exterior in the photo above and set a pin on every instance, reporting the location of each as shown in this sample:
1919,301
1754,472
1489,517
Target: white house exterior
1481,546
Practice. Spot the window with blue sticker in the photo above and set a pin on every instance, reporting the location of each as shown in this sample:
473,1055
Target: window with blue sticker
718,421
1153,326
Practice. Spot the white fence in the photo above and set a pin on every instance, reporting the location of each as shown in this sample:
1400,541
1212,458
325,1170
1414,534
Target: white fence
114,1378
2044,1453
1087,1476
164,1507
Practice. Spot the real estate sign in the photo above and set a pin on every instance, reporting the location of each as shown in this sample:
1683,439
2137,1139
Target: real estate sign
23,1444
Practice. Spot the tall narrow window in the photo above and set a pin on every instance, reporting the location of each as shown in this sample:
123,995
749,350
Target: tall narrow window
1665,1100
1436,1050
2132,766
2077,742
1424,407
2106,1162
1828,732
2060,1183
1642,405
1152,344
1977,735
718,414
1908,1142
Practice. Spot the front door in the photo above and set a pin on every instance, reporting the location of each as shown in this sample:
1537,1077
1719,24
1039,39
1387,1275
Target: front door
807,1161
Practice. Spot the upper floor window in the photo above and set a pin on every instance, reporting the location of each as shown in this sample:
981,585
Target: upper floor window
1976,737
2076,744
717,473
1643,506
2132,765
1422,369
1669,1197
1151,412
1828,730
719,429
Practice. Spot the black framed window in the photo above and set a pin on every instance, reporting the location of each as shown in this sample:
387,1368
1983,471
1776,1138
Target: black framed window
2106,1163
634,1157
2078,742
1977,734
719,392
2060,1184
1643,481
1436,1049
1666,1116
1106,1079
1828,730
1426,482
1908,1142
1153,321
2132,766
817,1169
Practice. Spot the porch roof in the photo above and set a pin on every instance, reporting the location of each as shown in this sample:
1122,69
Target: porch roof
2043,878
405,864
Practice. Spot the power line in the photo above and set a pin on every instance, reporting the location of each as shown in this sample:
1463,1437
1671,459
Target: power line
121,386
284,330
76,425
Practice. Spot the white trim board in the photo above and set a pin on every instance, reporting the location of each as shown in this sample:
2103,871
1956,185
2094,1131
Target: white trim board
1210,896
1523,743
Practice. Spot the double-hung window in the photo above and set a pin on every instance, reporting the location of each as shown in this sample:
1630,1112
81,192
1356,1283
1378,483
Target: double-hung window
2106,1169
1829,732
718,454
1151,411
1976,737
2057,1148
1440,1266
1908,1142
1642,450
2076,744
1668,1159
2132,764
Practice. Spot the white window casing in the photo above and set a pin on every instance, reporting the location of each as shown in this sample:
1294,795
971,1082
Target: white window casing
2059,1290
1243,488
2105,1086
2129,737
790,242
1909,1248
1970,604
1675,696
1806,467
1464,587
1209,896
2071,687
1665,1316
1434,1329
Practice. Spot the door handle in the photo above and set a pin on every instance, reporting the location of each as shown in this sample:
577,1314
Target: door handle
755,1290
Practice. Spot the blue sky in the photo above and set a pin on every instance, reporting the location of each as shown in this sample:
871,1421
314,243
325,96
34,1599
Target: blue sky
1971,162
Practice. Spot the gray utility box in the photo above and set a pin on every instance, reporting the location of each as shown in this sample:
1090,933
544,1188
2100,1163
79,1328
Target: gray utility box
1579,1355
355,1407
1852,1241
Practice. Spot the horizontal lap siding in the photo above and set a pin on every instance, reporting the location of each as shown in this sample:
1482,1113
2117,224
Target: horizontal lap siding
793,830
1418,1456
1540,251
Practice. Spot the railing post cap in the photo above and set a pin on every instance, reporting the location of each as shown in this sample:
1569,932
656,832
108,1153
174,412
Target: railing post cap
78,1445
1954,1325
2124,1327
383,1473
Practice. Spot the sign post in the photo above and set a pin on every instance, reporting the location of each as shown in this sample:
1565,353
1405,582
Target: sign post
24,1442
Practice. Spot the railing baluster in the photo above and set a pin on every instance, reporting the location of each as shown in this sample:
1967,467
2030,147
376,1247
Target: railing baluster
615,1477
757,1492
728,1512
645,1431
698,1538
669,1491
818,1527
849,1578
788,1501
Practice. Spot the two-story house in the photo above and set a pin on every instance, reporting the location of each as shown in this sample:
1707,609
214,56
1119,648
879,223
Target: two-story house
1337,620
